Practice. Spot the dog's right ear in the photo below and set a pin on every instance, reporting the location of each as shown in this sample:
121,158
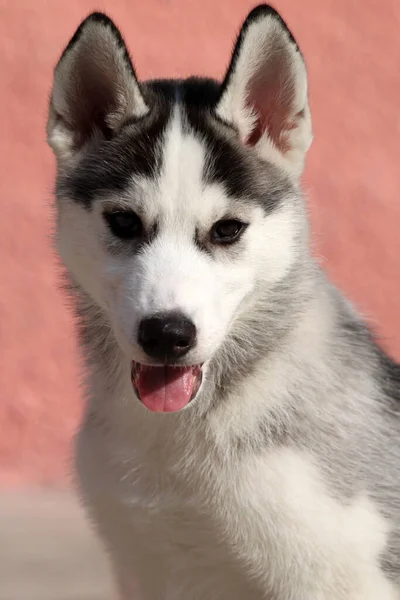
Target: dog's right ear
95,88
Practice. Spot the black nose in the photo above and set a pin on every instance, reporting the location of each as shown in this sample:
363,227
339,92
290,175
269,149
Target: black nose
167,336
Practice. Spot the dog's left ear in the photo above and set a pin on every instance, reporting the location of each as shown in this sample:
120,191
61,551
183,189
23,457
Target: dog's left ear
264,94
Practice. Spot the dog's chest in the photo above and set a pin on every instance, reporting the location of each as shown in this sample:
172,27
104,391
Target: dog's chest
158,497
153,488
190,514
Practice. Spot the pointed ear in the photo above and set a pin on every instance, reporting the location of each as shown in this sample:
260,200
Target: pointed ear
264,94
95,88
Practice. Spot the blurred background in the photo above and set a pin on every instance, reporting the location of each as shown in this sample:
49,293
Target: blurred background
352,181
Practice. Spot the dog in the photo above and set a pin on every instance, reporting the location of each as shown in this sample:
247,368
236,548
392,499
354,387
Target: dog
241,439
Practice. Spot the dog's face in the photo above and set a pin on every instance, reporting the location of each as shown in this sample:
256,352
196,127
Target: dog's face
176,200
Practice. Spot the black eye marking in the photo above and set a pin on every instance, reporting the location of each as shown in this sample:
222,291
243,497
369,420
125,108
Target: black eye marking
227,231
124,224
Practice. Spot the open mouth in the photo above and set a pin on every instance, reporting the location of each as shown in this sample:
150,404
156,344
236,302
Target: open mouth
166,388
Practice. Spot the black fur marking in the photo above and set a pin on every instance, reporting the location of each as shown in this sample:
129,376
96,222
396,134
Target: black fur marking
137,150
199,93
241,173
110,165
228,162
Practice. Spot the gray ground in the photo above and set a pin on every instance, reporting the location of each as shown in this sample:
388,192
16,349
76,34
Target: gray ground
47,551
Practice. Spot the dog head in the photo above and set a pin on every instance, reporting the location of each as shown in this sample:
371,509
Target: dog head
178,200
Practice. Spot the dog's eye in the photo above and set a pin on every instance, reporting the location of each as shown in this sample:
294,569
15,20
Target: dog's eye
124,224
227,231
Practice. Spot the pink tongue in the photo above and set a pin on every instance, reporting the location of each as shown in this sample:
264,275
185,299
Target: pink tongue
165,389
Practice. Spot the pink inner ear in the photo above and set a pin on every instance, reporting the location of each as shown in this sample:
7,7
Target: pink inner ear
270,98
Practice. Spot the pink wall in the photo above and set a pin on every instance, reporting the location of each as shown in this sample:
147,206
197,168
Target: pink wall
352,179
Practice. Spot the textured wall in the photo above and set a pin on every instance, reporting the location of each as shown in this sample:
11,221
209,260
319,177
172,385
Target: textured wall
352,180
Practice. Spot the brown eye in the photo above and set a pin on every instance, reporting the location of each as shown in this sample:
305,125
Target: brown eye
124,224
227,231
